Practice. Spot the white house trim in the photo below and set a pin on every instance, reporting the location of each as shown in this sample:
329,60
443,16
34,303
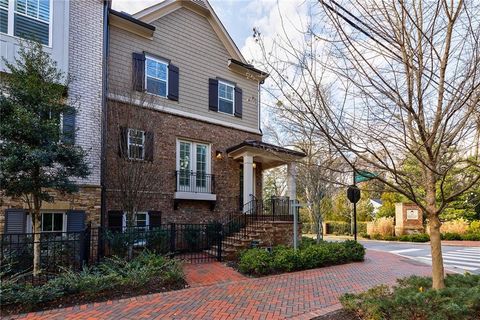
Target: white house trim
185,114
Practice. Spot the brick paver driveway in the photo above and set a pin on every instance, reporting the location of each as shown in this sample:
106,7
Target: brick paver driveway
299,295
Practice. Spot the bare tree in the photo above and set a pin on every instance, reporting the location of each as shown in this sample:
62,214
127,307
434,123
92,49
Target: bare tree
134,180
404,78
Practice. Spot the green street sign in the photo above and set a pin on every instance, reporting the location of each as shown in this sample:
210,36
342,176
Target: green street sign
362,176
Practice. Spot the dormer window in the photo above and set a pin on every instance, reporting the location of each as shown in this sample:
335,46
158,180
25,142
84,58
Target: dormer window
157,76
226,97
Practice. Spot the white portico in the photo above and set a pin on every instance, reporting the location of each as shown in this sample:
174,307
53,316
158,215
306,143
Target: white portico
252,152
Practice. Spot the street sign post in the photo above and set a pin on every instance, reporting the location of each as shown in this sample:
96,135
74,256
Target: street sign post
353,194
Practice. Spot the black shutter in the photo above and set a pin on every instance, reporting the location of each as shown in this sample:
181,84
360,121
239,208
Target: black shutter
75,220
68,134
115,219
15,221
138,71
149,146
213,94
173,79
155,218
238,102
123,142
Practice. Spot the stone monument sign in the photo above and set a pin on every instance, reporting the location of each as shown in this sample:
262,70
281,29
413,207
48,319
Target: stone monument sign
408,219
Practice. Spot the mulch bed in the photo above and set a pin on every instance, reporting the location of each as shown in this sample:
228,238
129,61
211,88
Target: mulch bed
338,315
82,298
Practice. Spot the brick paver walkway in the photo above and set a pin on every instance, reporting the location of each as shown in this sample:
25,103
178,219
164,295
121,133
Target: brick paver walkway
299,295
203,274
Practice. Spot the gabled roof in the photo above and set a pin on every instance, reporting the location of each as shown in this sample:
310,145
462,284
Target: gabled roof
202,7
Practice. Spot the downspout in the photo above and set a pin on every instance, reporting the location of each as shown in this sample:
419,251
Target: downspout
106,8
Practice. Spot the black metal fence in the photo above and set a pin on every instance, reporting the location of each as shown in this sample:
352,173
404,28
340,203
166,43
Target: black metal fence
57,250
191,242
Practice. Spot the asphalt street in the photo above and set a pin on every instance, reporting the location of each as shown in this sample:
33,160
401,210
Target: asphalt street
455,258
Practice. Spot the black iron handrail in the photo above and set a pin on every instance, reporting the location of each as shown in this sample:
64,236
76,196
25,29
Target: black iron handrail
195,182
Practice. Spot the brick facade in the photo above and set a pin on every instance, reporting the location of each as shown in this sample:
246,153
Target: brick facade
167,128
85,56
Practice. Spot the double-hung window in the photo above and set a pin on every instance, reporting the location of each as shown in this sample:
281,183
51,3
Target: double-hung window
193,165
32,20
4,16
53,222
226,97
141,220
156,74
136,144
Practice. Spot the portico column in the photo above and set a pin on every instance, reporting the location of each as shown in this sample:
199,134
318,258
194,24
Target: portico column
292,180
247,178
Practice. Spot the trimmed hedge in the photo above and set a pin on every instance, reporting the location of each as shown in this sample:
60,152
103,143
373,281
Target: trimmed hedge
412,298
343,228
310,255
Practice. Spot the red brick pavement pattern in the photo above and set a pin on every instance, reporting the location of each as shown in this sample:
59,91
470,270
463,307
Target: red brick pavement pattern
461,243
299,295
210,273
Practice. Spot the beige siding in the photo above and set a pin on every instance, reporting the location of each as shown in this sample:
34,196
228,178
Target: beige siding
189,42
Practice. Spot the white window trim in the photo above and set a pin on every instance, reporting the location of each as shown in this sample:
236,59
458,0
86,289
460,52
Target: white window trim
166,63
136,144
193,155
64,226
11,21
124,219
233,97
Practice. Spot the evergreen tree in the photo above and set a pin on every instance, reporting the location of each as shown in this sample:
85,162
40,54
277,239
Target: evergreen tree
35,156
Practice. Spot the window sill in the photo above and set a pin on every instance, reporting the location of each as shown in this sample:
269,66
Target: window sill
195,196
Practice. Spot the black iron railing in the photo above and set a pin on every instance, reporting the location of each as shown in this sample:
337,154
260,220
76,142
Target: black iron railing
194,182
255,213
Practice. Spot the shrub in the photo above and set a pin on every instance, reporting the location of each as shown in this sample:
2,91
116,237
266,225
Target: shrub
364,235
306,241
285,259
459,226
258,261
337,227
451,236
471,236
383,226
413,298
474,226
415,237
112,274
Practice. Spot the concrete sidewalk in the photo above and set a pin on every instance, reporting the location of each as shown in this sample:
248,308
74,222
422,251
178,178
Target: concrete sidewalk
299,295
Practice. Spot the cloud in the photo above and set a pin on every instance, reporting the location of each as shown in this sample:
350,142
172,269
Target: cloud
131,7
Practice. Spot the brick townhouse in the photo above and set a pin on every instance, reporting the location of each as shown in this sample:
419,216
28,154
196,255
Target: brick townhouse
175,66
73,33
174,92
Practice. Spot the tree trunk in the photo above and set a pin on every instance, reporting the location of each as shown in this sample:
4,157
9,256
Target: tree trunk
438,275
37,229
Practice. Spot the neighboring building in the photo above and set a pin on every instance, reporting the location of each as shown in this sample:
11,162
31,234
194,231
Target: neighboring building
203,97
72,32
376,204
